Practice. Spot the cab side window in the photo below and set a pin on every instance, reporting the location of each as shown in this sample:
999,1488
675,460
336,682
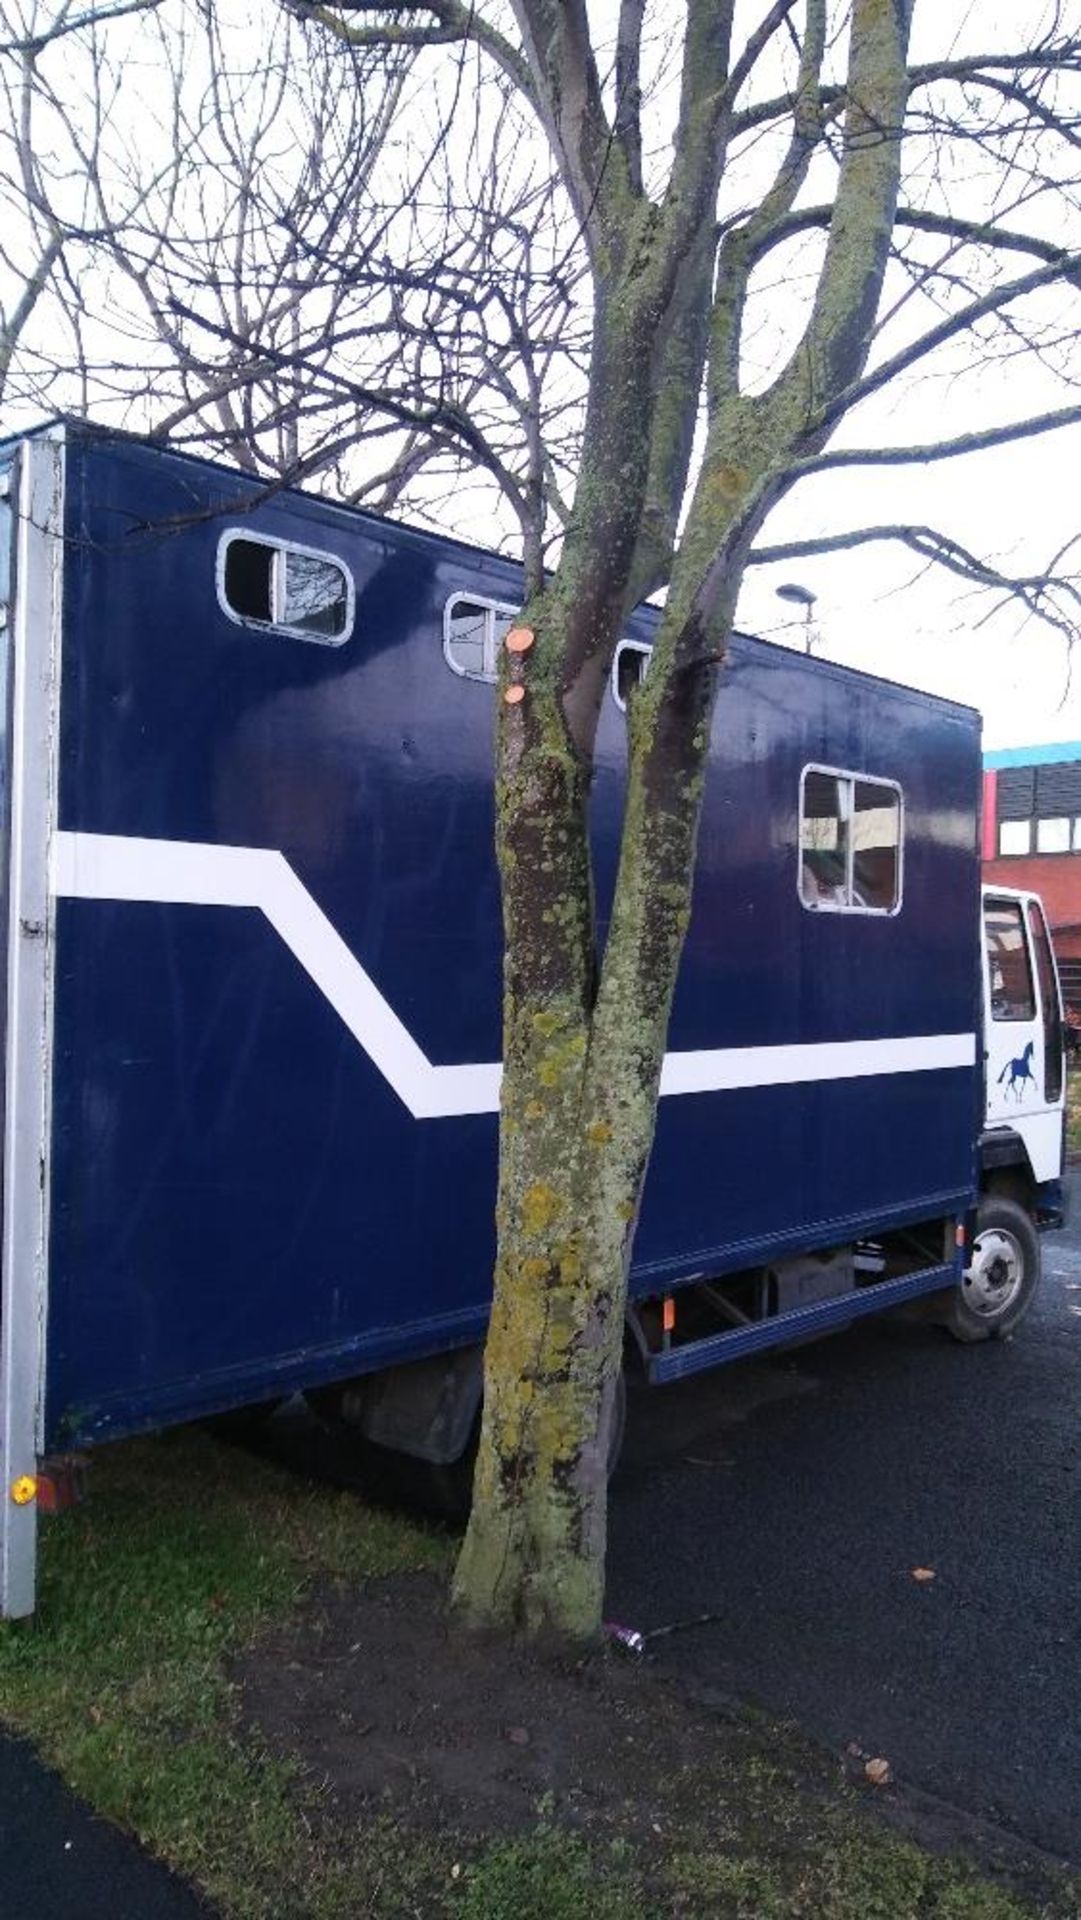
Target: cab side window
1012,996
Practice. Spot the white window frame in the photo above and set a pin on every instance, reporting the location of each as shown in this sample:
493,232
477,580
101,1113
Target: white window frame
1059,820
496,610
1018,853
7,560
281,549
850,906
629,646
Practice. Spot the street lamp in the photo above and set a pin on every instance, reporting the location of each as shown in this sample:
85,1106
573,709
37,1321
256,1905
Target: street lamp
800,597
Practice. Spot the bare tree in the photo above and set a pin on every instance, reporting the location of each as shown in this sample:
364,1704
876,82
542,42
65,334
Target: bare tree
223,248
32,233
920,215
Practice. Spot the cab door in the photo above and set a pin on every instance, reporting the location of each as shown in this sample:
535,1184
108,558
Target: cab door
1023,1029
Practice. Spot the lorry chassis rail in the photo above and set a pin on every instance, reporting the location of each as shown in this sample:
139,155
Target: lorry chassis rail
697,1356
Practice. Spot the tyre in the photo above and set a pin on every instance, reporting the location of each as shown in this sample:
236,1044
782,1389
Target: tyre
242,1424
1003,1273
441,1490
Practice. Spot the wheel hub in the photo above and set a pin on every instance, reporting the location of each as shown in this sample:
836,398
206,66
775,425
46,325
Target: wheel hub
996,1273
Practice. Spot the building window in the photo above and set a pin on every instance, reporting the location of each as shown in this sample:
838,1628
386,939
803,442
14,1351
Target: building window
850,842
473,631
1053,836
1039,808
293,590
1015,836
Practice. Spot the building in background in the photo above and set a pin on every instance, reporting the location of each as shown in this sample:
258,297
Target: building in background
1032,839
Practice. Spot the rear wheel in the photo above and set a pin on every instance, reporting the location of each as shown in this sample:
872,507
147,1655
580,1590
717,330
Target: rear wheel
441,1489
242,1424
1003,1273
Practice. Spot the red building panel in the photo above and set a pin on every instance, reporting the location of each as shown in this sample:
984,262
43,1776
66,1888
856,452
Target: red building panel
1056,877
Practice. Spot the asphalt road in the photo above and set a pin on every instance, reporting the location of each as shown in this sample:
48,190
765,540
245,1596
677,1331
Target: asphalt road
58,1862
791,1499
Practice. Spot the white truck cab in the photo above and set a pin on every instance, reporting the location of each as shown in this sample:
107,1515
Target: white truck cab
1022,1143
1025,1081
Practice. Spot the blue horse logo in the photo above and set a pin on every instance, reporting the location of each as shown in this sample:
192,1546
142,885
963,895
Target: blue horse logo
1019,1071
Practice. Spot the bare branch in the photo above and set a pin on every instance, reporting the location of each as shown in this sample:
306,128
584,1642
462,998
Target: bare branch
1066,266
1035,591
838,335
628,116
977,233
1050,56
977,442
59,28
452,23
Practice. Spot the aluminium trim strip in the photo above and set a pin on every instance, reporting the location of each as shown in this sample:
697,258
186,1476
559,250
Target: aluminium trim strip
32,773
92,866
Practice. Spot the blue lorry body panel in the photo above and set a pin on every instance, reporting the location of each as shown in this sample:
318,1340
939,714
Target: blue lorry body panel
241,1201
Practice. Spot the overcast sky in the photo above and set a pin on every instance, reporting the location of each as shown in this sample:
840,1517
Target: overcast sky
878,607
1017,506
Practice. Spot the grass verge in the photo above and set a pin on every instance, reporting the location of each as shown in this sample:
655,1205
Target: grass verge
188,1549
184,1550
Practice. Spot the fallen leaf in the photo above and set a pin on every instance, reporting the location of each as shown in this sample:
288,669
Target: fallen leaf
878,1772
518,1736
923,1574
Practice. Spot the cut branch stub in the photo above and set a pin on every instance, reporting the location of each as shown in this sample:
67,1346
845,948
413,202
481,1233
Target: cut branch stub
514,696
519,639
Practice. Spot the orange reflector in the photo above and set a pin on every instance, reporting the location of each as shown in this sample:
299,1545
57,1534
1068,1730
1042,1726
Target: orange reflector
959,1235
24,1489
61,1482
669,1314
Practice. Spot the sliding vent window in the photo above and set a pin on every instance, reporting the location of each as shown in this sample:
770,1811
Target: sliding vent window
629,670
263,583
473,632
850,843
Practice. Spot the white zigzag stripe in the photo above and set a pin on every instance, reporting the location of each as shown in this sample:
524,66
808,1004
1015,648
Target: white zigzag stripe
98,866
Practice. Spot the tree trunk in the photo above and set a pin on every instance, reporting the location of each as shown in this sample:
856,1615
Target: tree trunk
581,1073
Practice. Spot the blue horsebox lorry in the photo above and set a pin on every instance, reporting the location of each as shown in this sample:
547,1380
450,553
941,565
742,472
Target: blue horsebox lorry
252,965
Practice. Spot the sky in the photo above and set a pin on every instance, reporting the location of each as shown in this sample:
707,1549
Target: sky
879,607
883,610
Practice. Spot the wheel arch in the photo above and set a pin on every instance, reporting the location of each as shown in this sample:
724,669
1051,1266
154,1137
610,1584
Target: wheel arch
1005,1167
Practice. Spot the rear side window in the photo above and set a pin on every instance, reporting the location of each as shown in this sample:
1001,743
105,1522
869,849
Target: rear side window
850,840
293,590
629,669
1012,997
473,631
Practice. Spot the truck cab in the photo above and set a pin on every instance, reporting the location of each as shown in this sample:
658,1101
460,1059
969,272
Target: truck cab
1022,1140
